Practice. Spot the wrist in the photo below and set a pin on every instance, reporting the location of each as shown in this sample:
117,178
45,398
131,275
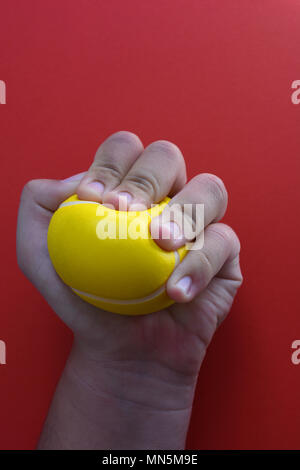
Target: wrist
104,403
139,404
144,382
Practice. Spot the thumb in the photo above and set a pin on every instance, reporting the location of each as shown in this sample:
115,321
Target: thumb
49,194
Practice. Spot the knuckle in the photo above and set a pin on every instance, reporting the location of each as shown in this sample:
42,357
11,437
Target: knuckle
167,148
107,163
147,184
106,170
30,189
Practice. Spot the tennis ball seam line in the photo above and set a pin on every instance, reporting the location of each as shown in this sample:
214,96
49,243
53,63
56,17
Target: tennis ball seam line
74,203
151,296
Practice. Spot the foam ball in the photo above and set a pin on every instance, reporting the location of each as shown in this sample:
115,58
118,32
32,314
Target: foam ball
108,258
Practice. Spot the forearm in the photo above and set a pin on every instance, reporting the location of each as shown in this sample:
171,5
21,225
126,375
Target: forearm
100,404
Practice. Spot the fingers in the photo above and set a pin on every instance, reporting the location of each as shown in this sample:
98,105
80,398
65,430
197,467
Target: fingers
205,189
113,159
123,170
219,256
159,171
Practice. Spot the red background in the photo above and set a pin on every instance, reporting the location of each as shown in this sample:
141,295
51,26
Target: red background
215,78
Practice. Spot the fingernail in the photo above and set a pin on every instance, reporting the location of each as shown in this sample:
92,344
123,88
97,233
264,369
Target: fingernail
171,230
124,200
97,187
184,284
126,196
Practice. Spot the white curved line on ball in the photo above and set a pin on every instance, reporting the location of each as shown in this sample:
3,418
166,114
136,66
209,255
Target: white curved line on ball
74,203
128,301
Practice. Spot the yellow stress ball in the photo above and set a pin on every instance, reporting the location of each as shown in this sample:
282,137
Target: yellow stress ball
108,257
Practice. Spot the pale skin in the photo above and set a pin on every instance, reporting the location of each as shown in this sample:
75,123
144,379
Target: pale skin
129,382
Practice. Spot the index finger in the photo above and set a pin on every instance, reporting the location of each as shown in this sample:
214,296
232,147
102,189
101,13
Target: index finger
112,161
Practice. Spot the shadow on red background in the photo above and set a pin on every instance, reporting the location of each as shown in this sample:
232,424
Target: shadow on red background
215,78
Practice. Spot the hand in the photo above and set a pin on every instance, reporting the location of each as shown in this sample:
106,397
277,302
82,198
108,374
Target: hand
158,355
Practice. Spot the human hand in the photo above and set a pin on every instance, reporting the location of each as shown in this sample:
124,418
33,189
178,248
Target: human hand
157,355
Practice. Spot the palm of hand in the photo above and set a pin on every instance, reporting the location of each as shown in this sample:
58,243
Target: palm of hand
176,337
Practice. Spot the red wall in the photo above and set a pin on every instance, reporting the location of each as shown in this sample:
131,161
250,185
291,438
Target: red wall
215,78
